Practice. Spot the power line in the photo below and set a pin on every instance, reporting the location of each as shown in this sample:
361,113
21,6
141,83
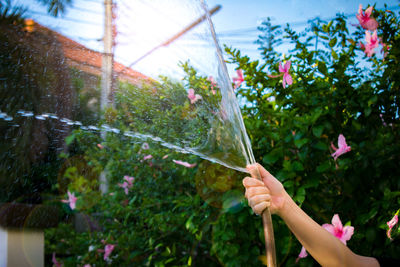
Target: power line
86,10
291,24
94,1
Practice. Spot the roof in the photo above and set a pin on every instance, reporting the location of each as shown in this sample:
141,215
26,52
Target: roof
85,59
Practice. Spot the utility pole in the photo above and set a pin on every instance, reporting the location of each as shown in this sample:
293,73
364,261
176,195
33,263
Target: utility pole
107,60
107,74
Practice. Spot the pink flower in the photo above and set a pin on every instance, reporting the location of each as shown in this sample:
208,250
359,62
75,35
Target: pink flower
127,184
365,19
213,84
385,48
107,250
239,79
287,79
343,147
372,43
165,156
193,97
55,262
100,146
391,224
183,163
147,157
71,200
87,265
303,254
145,146
336,228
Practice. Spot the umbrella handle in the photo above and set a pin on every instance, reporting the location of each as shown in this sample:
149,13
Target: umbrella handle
269,238
268,234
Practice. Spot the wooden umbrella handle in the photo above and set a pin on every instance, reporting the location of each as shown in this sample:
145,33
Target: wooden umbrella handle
269,238
268,234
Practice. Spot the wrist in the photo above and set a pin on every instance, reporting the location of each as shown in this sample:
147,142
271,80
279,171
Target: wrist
286,204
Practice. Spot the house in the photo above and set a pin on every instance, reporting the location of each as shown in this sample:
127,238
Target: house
84,59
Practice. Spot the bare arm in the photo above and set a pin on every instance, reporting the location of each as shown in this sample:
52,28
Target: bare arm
326,249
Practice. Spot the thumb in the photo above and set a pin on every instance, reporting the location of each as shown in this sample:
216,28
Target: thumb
256,170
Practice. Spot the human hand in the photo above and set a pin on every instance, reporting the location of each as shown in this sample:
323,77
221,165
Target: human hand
266,193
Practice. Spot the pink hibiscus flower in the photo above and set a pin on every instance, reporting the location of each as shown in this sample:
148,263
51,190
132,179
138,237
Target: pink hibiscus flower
71,200
239,79
336,228
372,43
55,262
193,97
391,224
213,84
107,250
365,19
127,184
343,147
287,79
183,163
147,157
303,254
145,146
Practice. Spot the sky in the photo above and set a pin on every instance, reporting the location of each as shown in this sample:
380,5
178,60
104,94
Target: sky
235,23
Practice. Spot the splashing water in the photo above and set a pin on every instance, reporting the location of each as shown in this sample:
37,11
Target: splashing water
152,100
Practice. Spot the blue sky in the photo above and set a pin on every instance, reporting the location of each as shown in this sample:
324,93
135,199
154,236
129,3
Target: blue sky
236,23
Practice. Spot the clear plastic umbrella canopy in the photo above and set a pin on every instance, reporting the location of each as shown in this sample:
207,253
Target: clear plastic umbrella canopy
185,97
169,84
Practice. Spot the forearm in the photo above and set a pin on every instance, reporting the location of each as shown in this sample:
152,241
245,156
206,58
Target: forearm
325,248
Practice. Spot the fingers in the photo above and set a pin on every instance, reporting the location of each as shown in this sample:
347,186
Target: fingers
250,182
256,190
259,208
257,194
258,199
270,181
256,170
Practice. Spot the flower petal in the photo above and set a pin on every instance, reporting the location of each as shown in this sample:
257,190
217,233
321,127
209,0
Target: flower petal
288,78
329,227
183,163
281,69
348,231
368,11
303,254
341,141
287,65
336,222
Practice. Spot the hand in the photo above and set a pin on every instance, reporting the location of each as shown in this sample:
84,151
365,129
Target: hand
266,193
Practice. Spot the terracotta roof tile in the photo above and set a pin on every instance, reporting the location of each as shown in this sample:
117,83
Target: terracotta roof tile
88,60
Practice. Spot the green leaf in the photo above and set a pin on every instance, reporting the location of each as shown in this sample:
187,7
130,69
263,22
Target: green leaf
322,68
69,139
300,195
332,42
272,157
321,146
317,130
300,142
297,166
323,166
334,55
